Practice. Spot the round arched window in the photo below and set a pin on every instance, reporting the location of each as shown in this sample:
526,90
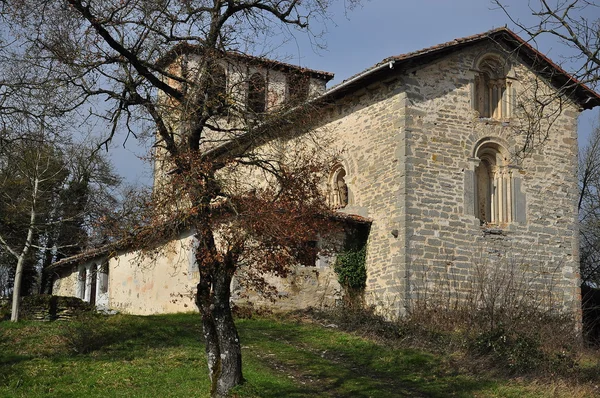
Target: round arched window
494,187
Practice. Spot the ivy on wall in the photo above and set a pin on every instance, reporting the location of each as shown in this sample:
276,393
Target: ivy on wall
350,268
350,263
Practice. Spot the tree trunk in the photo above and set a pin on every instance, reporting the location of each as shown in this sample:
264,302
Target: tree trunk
223,349
16,299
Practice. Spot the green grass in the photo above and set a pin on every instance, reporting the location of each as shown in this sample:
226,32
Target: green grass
163,356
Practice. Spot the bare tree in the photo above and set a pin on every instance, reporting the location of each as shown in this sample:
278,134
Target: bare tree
575,24
589,210
572,23
155,65
28,179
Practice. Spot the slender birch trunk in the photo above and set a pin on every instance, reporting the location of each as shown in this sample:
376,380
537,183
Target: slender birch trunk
16,298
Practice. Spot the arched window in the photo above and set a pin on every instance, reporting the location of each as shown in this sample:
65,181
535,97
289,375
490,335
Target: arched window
257,99
497,192
338,188
493,92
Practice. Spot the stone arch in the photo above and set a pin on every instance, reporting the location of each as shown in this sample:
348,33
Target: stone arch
103,277
493,91
82,277
496,196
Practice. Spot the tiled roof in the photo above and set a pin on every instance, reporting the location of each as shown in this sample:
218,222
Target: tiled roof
187,48
106,250
586,97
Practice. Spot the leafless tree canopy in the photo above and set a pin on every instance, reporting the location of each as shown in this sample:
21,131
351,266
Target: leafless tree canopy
127,65
569,21
589,209
113,56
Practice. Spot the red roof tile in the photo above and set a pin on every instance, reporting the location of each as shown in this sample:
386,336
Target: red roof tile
586,97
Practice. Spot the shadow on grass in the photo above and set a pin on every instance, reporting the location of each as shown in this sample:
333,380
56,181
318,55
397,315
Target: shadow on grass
128,337
325,363
280,359
10,372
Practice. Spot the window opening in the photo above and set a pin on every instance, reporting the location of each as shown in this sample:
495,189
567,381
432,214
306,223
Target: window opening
307,253
217,88
493,91
494,185
257,94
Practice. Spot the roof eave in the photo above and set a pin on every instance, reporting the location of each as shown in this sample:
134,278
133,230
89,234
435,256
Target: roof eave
585,97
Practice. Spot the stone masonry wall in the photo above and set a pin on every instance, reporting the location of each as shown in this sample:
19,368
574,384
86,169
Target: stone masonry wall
66,283
447,249
368,130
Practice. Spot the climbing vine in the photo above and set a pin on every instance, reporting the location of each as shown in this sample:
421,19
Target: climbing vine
350,263
350,268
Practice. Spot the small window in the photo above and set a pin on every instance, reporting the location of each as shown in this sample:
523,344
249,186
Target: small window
498,199
307,253
257,94
297,88
81,283
103,275
493,92
338,188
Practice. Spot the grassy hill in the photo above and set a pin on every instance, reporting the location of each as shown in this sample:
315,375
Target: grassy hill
163,356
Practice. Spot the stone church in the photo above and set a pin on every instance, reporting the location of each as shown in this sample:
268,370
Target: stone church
447,159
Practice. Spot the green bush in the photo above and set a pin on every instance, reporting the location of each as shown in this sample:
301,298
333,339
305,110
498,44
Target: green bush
350,268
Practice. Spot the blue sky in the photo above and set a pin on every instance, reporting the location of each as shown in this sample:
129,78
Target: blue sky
378,29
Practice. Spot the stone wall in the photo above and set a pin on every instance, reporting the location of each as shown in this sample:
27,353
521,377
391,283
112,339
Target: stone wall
305,287
164,281
445,241
65,282
368,130
407,146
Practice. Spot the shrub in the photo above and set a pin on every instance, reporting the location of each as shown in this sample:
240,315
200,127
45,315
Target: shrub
517,352
364,321
350,268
